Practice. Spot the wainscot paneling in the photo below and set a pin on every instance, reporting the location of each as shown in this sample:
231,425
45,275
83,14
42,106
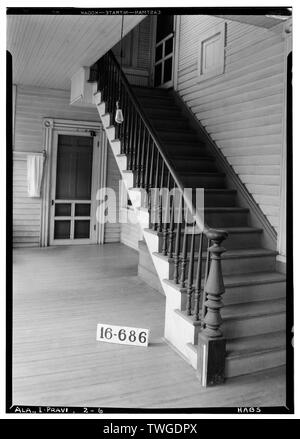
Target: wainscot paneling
242,109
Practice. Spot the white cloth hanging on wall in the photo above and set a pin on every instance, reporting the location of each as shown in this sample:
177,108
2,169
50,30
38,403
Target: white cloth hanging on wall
35,166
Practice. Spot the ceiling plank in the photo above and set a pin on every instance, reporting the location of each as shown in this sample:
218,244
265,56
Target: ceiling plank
48,49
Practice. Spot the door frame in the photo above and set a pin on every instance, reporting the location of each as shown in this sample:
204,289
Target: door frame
51,129
94,184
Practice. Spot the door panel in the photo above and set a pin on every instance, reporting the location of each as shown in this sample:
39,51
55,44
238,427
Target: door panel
74,167
71,212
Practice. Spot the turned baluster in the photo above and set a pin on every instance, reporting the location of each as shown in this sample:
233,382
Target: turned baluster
138,152
190,274
198,281
156,194
127,124
183,258
122,125
110,89
150,178
160,198
207,263
165,218
134,139
177,243
171,227
147,164
131,136
143,153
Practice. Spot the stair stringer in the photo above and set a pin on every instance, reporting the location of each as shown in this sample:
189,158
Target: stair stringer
179,332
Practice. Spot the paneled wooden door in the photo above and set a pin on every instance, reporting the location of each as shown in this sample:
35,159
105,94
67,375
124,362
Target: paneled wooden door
73,189
164,51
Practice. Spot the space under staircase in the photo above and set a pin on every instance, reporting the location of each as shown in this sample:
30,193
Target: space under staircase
225,309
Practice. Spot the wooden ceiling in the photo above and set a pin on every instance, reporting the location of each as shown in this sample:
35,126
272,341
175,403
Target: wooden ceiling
257,20
48,49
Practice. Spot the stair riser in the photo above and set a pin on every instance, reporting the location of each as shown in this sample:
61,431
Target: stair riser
234,328
243,365
243,240
226,219
233,242
195,165
159,105
246,294
240,265
193,149
251,293
184,136
219,200
161,110
201,182
157,99
151,92
206,182
169,124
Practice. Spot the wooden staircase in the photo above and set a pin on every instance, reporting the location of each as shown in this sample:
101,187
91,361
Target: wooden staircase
253,316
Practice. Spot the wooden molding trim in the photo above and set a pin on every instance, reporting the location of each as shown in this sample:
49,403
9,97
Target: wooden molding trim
244,198
49,127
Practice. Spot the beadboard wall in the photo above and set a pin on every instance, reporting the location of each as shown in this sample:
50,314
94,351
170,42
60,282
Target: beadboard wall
242,109
32,105
112,230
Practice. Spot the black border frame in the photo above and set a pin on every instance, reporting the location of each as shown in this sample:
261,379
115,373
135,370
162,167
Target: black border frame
17,409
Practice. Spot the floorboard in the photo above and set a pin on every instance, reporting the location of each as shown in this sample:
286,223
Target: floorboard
61,293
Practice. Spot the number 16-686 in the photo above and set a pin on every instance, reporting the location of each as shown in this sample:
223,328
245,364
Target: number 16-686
122,334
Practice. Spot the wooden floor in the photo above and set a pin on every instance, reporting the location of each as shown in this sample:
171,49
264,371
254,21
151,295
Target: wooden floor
61,293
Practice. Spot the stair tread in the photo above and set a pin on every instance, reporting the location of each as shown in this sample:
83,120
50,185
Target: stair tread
244,279
255,344
253,309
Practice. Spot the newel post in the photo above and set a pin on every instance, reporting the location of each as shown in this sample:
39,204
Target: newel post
212,344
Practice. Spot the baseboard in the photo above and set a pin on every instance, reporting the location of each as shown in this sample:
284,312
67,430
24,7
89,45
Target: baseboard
244,198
